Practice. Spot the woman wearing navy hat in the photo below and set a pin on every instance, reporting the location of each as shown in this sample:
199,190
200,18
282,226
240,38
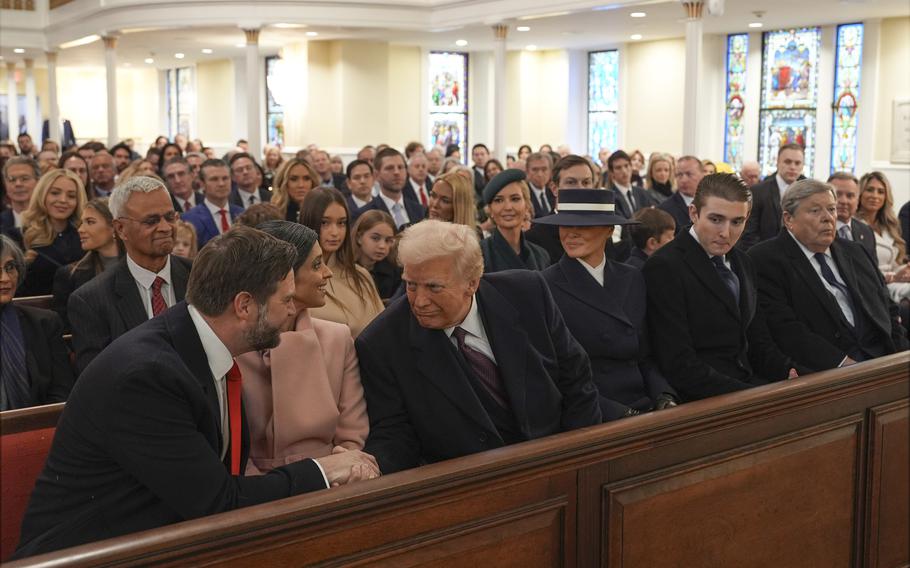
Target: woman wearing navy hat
603,303
508,196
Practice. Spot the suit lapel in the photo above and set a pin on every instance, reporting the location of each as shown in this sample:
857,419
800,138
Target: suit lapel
624,204
747,292
179,277
129,302
806,271
578,283
848,273
697,260
775,198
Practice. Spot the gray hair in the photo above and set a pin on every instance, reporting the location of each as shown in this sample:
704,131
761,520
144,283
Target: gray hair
22,161
122,192
801,190
9,246
196,155
433,239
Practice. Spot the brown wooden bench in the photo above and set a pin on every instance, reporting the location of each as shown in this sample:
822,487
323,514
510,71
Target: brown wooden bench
44,302
811,472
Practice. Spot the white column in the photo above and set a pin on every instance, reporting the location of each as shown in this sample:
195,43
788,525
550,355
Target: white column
693,69
110,64
54,107
500,31
32,123
253,108
12,101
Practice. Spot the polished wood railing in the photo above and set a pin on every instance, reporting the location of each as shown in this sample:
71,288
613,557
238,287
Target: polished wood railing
810,472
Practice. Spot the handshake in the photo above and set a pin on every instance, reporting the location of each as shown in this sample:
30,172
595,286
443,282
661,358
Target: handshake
345,466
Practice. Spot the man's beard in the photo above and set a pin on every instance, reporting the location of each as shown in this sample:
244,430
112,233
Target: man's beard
262,336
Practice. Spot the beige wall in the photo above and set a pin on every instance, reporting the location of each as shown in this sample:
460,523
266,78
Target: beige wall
654,85
536,105
405,92
214,105
893,80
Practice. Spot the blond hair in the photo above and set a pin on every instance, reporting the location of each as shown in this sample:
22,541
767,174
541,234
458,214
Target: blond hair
280,197
463,206
39,231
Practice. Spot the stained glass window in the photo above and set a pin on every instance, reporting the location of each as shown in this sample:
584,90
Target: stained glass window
448,91
846,97
737,50
603,100
789,94
274,112
180,88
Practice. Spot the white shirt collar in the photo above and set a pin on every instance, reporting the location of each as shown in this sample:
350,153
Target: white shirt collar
357,201
809,254
781,184
839,224
623,188
597,272
146,277
710,256
215,210
686,199
216,353
389,202
17,219
471,323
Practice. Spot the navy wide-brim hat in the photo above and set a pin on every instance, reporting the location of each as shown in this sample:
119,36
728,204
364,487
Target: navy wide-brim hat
585,208
500,181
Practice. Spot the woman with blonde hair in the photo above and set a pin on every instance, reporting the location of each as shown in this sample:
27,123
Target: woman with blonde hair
48,232
876,208
660,177
452,200
293,180
141,167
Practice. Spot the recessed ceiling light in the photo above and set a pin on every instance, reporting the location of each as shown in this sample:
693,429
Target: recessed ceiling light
638,14
523,28
149,60
531,47
206,51
18,50
755,25
461,42
179,55
288,26
635,36
312,34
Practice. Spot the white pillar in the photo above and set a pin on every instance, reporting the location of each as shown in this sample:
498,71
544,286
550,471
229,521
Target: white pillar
500,31
32,123
253,108
110,64
12,101
693,69
54,115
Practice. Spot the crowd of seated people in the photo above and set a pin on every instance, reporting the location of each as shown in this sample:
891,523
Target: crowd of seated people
402,310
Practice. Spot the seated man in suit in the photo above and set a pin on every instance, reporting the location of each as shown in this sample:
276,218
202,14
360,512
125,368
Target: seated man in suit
846,187
479,155
823,298
689,171
706,333
764,222
155,431
142,285
322,163
179,181
655,228
395,195
750,172
360,180
629,198
247,177
20,174
418,180
540,170
467,363
215,214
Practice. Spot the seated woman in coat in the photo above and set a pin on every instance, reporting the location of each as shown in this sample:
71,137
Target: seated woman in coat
303,399
509,199
604,305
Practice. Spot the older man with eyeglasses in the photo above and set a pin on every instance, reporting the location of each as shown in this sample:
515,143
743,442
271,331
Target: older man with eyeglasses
144,284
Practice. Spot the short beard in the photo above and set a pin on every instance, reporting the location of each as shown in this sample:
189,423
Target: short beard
262,336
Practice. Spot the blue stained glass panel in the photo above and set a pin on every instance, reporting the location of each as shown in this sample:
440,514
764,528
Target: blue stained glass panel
846,97
448,100
603,100
787,126
737,51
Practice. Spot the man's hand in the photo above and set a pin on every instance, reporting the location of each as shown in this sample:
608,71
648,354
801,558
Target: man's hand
665,401
847,362
345,466
792,374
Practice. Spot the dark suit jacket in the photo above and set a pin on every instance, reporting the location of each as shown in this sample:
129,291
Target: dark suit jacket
805,319
498,255
765,219
865,236
65,283
202,220
637,258
676,206
411,193
46,356
197,199
703,342
110,305
609,322
642,201
416,211
7,221
138,446
904,217
480,181
538,210
421,404
264,196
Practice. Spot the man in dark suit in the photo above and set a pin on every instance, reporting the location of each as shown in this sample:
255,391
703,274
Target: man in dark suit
179,181
764,221
155,433
392,174
824,300
322,163
689,172
846,187
479,155
247,177
706,333
418,180
629,198
467,363
215,214
540,172
141,285
20,176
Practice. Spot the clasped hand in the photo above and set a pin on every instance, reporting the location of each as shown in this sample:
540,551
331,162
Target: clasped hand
344,466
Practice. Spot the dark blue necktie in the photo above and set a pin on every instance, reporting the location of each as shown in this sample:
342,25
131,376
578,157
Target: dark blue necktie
484,369
828,275
729,278
13,371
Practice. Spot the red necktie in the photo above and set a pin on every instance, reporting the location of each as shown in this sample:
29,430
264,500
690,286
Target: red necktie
158,303
234,386
224,221
423,195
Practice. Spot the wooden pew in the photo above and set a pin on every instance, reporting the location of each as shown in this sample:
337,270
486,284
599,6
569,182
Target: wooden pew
45,302
811,472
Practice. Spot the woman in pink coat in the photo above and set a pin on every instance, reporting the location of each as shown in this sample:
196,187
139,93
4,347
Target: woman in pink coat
303,399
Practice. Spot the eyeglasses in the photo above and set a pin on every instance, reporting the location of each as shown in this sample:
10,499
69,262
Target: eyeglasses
19,179
154,220
11,268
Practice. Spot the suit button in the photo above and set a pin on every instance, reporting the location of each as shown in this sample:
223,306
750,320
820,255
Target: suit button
482,437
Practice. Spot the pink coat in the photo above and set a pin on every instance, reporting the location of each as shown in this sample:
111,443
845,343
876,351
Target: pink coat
303,397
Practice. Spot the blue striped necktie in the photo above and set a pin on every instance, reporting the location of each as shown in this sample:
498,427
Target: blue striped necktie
13,371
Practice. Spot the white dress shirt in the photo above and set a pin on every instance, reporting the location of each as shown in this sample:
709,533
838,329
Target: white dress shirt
782,185
357,201
686,199
842,300
17,220
390,203
710,256
627,193
145,278
245,198
420,189
597,272
216,214
186,204
220,362
541,197
476,338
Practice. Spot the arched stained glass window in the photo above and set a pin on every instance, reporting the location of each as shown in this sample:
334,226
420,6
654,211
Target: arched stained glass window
789,94
603,100
846,97
737,50
448,92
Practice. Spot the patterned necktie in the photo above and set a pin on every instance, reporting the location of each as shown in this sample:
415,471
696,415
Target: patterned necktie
484,369
13,372
158,303
845,233
398,215
730,279
224,220
234,388
828,275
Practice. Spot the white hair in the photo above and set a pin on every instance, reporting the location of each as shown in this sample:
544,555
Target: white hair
433,239
122,192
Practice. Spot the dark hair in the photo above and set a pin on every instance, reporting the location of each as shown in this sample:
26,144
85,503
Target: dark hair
238,156
653,222
356,163
451,149
92,259
368,220
240,260
121,146
301,237
491,162
537,156
71,154
615,156
93,145
161,156
843,176
726,186
211,163
176,160
21,134
570,161
386,153
479,145
257,214
793,146
523,146
411,148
